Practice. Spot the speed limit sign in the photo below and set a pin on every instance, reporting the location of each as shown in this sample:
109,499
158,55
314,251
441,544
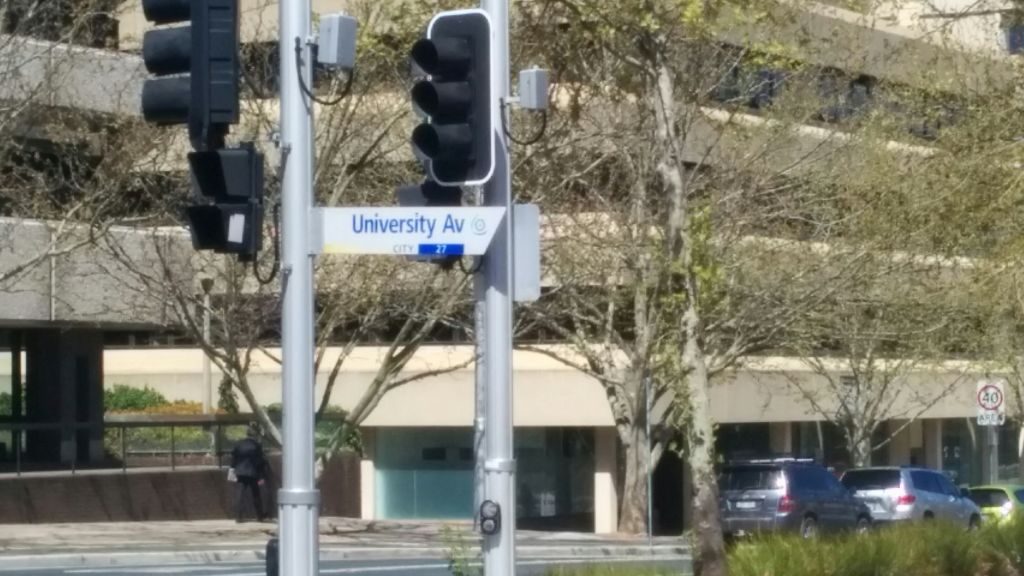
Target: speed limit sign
991,402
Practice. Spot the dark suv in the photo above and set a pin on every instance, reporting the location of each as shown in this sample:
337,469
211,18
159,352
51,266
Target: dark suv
786,494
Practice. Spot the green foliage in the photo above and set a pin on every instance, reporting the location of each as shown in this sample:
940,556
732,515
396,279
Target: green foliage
5,404
928,549
123,398
461,560
605,570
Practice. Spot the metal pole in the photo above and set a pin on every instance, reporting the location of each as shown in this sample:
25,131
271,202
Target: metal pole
207,372
650,493
993,454
298,498
499,468
480,395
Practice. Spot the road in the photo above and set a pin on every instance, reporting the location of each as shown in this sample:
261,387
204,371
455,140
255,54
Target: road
423,567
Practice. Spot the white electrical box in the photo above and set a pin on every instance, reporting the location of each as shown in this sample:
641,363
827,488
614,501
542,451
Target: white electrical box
337,46
533,89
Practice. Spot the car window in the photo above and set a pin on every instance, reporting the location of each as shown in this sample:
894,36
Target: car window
1020,495
947,485
827,481
871,479
753,477
925,482
989,497
801,480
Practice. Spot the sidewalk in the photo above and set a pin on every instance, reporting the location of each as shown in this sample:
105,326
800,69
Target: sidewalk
146,543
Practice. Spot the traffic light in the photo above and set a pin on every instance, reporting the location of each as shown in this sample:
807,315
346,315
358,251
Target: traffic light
458,136
233,179
196,67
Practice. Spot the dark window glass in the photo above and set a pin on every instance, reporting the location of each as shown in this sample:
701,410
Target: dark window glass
434,454
925,482
750,478
871,479
1020,495
988,497
947,485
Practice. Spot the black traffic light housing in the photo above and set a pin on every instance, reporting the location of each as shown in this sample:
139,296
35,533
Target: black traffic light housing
197,67
431,194
458,138
233,179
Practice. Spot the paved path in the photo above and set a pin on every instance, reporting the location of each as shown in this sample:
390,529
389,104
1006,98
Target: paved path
411,566
95,546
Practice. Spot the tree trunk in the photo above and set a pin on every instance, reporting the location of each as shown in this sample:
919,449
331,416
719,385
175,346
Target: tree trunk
859,444
709,557
633,505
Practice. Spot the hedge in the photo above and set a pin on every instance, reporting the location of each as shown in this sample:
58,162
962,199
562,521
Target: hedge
918,549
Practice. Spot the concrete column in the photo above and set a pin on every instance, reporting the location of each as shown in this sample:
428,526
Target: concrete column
368,476
899,446
780,437
606,501
932,437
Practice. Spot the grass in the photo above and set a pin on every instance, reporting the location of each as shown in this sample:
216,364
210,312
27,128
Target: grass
598,570
921,549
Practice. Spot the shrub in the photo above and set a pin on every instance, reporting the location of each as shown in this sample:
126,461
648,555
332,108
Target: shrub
921,549
123,398
610,570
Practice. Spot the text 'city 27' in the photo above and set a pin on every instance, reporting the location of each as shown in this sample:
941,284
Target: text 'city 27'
417,224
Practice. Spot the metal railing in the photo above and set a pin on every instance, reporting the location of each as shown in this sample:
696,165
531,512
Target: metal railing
134,441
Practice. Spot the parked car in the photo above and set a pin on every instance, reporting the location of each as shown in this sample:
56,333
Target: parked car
903,493
998,502
786,494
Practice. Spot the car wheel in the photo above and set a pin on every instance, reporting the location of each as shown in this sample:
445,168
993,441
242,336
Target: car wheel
974,524
863,525
809,528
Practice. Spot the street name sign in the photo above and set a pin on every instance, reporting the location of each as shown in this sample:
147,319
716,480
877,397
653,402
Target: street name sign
991,399
406,231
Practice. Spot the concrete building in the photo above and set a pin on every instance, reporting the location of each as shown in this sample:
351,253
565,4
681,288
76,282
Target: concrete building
69,334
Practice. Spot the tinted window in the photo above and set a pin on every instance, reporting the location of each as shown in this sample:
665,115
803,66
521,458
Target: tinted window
989,498
828,481
801,479
926,482
1020,495
871,479
750,478
947,485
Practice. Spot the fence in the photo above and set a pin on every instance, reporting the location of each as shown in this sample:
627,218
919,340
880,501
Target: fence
138,441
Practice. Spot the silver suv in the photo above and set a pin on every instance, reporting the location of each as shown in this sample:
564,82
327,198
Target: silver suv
894,494
786,494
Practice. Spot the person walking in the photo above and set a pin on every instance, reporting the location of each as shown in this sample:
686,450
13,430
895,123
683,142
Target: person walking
250,470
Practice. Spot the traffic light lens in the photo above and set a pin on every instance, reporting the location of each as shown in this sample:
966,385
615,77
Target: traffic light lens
166,100
443,100
167,11
168,50
439,141
443,56
427,141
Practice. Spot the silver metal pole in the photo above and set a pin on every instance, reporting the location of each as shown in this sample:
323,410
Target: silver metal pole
499,468
298,498
993,454
207,373
650,493
480,394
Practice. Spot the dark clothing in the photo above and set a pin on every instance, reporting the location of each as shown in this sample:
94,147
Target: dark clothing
248,460
251,469
252,486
